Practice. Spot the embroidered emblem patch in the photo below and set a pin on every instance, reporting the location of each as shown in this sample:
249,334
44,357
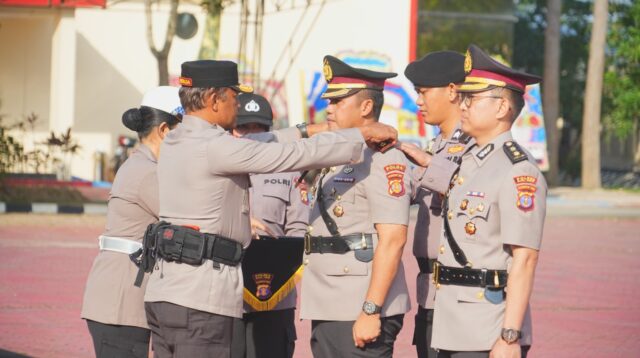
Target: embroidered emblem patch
263,284
395,179
186,81
468,62
455,149
327,72
252,106
526,186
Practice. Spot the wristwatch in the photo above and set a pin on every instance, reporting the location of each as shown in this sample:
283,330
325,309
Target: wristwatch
302,127
370,308
510,335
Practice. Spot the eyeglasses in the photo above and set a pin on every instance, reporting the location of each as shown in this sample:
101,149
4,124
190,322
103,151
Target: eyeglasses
467,98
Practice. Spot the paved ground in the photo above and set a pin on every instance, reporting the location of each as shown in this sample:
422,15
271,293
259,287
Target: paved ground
585,301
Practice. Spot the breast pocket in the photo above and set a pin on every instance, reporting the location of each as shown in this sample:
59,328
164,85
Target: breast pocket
273,204
473,215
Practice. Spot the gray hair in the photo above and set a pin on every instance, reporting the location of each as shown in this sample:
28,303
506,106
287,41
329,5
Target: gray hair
194,98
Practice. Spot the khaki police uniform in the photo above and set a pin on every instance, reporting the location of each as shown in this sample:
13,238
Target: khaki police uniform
428,229
496,200
493,203
357,197
110,296
204,180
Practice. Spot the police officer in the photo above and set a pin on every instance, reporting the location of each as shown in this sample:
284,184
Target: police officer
203,177
112,306
435,77
493,223
280,210
353,288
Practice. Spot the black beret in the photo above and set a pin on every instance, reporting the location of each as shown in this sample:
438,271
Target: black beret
254,109
485,73
211,73
345,80
436,69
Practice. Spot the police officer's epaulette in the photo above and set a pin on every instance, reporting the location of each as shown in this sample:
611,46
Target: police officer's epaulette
514,152
464,138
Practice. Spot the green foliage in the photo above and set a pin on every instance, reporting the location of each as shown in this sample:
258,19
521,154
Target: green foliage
454,24
622,78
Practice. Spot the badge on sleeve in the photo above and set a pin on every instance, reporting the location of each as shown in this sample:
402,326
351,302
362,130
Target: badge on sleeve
526,186
395,179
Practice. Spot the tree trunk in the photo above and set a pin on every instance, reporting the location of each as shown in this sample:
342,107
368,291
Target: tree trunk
593,98
551,87
163,70
162,56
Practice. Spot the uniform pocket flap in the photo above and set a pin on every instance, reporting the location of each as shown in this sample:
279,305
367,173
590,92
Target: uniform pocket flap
471,295
346,265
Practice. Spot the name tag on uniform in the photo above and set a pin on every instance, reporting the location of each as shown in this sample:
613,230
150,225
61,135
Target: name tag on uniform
344,179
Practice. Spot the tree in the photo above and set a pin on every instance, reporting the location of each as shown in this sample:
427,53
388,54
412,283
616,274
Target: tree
162,56
593,98
623,73
551,86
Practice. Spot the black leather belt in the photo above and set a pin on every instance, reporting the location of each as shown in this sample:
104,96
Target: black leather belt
446,275
337,244
425,264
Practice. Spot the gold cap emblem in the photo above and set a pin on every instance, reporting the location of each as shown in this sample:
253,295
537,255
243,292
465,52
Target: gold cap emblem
468,64
326,70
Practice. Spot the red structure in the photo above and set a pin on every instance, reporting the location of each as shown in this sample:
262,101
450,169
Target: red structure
54,3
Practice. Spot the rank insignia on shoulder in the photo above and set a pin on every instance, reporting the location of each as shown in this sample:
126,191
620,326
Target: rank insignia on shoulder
485,151
348,169
514,152
395,178
464,138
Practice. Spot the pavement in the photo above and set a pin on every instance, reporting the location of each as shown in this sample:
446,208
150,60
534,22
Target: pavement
584,304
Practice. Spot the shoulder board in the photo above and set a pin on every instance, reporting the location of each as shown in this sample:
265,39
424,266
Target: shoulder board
514,152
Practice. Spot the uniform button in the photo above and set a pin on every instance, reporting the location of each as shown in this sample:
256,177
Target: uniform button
346,269
339,197
460,180
306,261
309,228
333,169
442,249
480,295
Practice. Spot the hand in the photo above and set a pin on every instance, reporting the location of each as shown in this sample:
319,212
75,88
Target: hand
502,349
366,329
415,154
257,225
379,136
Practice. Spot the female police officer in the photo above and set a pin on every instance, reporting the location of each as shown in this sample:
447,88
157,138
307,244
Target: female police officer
112,305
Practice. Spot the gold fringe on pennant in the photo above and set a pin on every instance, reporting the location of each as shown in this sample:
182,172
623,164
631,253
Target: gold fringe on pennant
277,297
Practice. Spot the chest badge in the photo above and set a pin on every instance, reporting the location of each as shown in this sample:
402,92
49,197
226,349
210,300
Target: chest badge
464,204
338,211
470,228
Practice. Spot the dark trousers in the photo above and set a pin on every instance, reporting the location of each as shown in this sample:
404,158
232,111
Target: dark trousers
484,354
268,334
119,341
334,339
181,332
422,333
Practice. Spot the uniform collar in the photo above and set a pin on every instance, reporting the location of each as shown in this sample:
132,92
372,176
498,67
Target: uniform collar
482,154
197,123
146,151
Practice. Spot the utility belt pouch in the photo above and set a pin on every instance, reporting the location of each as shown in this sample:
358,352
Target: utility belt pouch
225,251
145,257
181,244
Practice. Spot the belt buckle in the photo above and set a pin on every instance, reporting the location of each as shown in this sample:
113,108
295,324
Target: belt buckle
363,244
436,274
307,243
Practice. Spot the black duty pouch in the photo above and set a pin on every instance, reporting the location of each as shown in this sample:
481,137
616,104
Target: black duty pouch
181,244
